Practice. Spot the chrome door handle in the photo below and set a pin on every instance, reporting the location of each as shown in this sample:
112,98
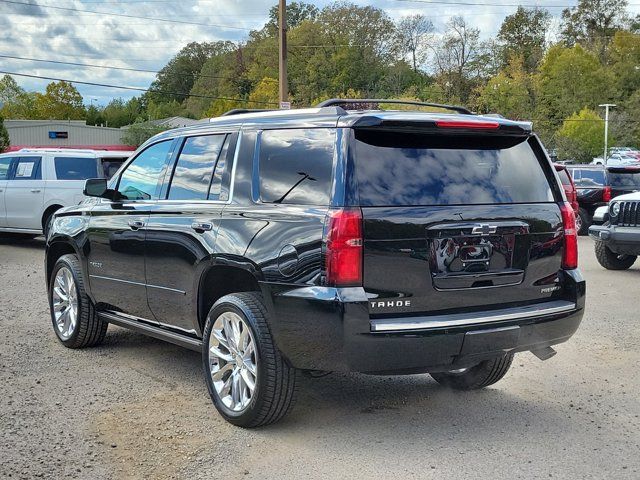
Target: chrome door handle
202,227
35,190
136,224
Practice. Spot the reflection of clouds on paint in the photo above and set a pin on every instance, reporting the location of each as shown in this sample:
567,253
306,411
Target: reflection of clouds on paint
419,176
296,165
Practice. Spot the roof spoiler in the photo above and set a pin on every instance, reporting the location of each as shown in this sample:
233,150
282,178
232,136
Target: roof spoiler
373,103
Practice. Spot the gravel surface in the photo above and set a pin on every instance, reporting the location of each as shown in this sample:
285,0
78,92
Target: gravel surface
136,407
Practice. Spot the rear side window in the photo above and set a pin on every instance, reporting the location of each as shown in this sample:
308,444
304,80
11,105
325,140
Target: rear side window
296,166
75,168
589,178
27,168
194,168
4,167
395,169
111,165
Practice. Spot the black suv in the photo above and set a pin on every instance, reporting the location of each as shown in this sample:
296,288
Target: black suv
326,239
596,185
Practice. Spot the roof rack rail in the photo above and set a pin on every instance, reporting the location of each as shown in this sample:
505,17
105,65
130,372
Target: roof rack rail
238,111
352,101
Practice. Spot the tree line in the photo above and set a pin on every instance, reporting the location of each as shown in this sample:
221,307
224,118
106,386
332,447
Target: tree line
346,50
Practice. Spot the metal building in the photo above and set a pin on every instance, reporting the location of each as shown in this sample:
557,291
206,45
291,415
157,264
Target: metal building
63,133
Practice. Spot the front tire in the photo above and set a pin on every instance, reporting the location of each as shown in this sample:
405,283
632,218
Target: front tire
74,319
611,260
479,376
249,381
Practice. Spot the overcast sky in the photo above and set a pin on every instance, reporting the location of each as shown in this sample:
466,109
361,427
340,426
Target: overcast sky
70,36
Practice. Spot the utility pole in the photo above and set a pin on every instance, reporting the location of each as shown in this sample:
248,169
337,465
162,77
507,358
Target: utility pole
606,129
282,63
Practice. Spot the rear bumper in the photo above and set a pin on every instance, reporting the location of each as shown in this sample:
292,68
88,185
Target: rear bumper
621,240
330,329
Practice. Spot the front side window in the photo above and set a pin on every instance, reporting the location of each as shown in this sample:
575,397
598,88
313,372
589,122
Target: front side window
194,168
296,166
27,168
75,168
4,167
139,181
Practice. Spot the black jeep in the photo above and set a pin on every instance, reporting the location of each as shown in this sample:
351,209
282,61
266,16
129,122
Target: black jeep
325,239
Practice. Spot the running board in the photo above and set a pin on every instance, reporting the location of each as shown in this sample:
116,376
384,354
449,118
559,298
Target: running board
153,331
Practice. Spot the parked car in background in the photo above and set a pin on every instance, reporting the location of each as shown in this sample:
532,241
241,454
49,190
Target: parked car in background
34,183
325,239
597,185
617,241
569,188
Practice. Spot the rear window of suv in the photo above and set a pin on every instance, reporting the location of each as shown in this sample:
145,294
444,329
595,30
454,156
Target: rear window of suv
624,178
406,169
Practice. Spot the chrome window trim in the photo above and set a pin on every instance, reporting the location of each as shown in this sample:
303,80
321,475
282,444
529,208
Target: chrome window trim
467,319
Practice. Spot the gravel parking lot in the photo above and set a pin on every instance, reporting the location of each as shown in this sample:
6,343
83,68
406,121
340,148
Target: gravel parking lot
138,408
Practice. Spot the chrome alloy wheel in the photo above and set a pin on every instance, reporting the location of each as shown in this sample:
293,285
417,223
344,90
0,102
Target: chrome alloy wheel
233,363
64,299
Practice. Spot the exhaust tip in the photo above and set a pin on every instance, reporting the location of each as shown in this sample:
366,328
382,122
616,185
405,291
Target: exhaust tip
544,353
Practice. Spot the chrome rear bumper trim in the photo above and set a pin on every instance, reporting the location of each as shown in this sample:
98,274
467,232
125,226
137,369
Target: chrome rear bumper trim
468,319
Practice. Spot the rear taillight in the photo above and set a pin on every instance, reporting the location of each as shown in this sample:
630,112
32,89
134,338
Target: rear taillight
606,194
343,254
570,254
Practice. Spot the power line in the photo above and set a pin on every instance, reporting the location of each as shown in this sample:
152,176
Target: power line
138,89
125,15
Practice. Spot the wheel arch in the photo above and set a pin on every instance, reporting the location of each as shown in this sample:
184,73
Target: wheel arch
55,250
49,211
223,277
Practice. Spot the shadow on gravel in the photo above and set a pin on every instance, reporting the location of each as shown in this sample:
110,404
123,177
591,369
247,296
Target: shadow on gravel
30,243
388,407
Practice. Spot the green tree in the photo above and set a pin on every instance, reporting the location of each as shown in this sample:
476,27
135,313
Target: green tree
4,136
14,101
523,34
456,59
581,137
592,23
569,80
265,92
61,101
297,12
136,134
415,33
177,78
625,61
509,92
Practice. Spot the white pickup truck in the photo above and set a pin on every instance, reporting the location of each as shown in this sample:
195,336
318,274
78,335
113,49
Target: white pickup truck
36,182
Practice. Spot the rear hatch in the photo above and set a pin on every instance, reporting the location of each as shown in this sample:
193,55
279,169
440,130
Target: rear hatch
623,180
456,221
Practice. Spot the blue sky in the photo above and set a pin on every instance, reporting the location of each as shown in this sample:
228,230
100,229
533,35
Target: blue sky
103,39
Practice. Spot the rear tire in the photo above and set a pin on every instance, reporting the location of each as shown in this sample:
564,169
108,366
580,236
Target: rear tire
479,376
81,326
611,260
583,220
248,357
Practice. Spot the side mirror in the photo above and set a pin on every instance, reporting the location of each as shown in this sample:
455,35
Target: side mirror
95,187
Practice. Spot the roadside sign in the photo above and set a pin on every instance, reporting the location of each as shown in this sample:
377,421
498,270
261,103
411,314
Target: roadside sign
285,105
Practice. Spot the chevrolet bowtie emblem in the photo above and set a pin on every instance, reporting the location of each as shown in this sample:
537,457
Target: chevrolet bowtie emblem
484,229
